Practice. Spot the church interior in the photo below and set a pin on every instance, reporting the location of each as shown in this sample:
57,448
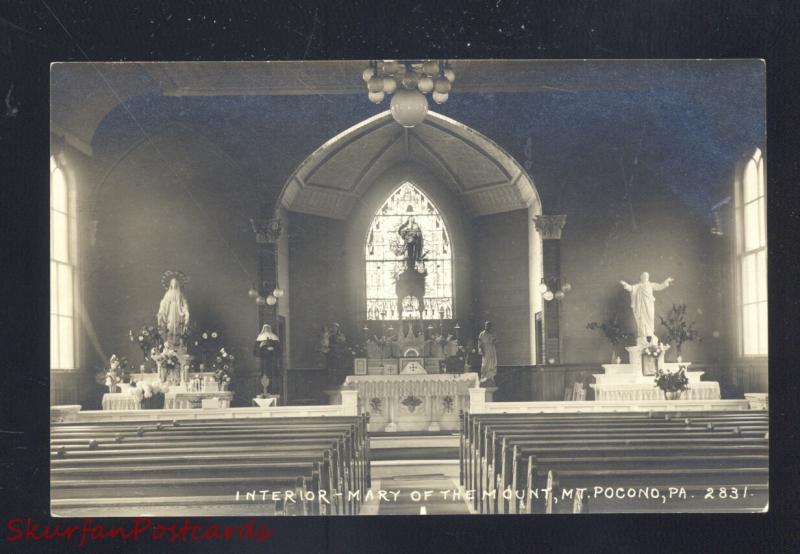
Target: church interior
463,276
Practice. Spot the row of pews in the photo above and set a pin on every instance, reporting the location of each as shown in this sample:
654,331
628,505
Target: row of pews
258,466
615,462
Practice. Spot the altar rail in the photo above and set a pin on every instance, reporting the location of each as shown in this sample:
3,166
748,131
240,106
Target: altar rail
480,402
347,407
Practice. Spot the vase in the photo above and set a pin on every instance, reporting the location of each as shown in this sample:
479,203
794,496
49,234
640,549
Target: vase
223,386
113,389
672,394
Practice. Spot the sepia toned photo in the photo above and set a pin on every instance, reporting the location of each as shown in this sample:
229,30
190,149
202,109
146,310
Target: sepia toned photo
408,287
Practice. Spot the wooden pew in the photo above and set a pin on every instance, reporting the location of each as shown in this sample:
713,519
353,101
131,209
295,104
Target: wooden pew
698,433
158,465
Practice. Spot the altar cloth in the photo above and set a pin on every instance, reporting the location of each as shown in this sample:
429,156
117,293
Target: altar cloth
701,390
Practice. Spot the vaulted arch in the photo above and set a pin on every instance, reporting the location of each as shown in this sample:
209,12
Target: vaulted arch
481,174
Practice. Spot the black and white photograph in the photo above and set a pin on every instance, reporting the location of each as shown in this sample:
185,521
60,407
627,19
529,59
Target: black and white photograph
408,287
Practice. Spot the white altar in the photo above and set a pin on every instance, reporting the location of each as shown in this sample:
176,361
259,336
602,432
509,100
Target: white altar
411,402
627,382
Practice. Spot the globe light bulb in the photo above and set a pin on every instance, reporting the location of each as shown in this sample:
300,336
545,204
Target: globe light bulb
430,67
425,85
252,293
261,300
376,97
439,97
567,287
449,74
367,74
409,107
548,296
441,85
277,293
271,300
410,80
559,295
389,85
375,84
542,288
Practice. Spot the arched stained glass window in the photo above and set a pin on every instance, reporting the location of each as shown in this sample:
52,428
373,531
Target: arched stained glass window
384,252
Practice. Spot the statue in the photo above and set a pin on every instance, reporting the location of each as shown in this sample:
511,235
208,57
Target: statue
488,352
332,346
411,281
643,305
411,233
173,312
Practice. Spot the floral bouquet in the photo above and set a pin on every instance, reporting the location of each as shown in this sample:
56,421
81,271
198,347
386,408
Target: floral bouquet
223,366
147,338
672,382
613,331
654,350
115,374
168,363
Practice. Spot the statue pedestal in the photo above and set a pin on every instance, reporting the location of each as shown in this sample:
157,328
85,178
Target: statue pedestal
635,356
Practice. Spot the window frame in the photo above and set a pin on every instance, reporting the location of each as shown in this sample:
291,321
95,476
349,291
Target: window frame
366,262
71,264
741,254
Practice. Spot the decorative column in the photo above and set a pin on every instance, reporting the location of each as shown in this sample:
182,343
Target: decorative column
549,227
267,235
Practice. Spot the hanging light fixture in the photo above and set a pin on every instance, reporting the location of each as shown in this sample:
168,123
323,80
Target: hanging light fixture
553,288
408,82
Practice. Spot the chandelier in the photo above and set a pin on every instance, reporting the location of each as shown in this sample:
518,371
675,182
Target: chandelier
408,82
554,288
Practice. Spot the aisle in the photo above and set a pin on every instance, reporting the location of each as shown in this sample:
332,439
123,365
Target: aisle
404,495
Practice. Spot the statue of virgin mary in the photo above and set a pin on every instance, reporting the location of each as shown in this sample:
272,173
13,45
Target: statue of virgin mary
173,312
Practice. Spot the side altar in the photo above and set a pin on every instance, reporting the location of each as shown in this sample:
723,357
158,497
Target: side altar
635,381
410,402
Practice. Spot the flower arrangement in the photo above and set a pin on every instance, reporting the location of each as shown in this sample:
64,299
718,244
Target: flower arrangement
166,359
672,381
678,330
223,366
115,374
146,338
654,350
358,350
613,331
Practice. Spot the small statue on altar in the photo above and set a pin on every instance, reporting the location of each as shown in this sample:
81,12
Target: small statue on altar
332,346
643,306
173,316
488,352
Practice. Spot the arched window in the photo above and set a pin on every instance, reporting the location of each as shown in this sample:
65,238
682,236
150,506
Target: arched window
62,272
384,254
751,257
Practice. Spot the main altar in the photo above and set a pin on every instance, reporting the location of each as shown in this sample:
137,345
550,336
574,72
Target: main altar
412,401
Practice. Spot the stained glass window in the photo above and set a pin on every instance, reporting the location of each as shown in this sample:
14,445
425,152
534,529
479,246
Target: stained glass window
385,256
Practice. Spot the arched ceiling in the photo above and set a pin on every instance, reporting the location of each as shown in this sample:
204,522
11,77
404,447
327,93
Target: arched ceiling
476,170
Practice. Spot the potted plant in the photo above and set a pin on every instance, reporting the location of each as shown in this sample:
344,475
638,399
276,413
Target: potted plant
673,383
614,333
678,330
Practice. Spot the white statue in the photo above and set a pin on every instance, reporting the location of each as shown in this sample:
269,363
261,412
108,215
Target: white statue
643,306
173,312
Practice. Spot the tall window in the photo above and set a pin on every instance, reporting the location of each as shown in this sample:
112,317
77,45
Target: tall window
751,250
385,254
62,270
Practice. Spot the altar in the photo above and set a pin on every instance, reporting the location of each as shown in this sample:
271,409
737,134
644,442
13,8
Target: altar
629,382
411,402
